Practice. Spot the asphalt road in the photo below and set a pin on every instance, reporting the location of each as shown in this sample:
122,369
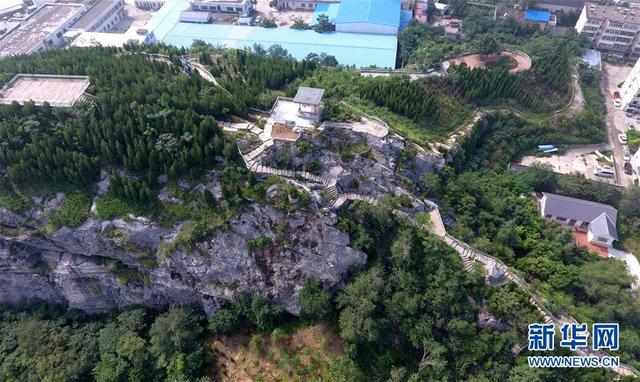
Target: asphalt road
616,119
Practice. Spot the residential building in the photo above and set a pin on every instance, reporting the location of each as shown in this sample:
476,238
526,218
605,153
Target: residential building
369,16
101,17
611,29
301,5
153,5
39,30
630,91
222,6
596,220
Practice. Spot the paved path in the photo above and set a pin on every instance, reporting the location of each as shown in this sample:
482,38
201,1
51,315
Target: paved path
633,266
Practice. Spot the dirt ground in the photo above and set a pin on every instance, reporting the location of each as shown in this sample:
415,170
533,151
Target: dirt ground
245,358
580,159
284,19
476,61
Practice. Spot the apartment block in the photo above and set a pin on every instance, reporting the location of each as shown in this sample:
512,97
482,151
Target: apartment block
630,90
613,30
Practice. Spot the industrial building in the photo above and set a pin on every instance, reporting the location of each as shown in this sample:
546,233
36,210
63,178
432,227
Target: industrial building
149,4
101,17
10,7
566,6
41,29
58,91
360,50
222,6
613,30
369,17
302,5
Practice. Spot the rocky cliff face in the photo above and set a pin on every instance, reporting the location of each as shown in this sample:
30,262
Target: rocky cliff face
105,265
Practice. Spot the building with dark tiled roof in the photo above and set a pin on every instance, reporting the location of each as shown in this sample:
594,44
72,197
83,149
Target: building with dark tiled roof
596,219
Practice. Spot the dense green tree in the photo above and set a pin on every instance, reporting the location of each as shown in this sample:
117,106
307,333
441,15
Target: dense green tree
314,301
323,25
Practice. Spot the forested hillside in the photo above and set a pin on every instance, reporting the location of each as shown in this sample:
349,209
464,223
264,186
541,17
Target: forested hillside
411,313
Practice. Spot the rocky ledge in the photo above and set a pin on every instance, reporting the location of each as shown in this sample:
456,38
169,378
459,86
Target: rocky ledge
106,265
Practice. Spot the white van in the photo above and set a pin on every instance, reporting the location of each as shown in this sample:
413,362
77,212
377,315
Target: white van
605,172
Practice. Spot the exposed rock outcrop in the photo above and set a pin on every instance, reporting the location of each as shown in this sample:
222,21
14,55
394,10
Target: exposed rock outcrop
105,265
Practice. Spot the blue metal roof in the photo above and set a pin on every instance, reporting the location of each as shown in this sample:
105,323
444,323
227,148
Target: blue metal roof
539,15
405,19
385,12
360,50
166,17
329,9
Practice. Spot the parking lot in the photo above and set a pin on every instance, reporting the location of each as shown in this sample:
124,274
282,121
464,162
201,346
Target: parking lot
580,159
616,120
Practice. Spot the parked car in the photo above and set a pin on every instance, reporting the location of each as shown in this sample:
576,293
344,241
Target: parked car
617,99
622,138
628,169
258,20
605,172
631,126
629,114
626,155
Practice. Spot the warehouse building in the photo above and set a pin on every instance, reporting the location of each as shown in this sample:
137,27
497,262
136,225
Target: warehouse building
360,50
101,17
153,5
302,5
222,6
41,29
369,16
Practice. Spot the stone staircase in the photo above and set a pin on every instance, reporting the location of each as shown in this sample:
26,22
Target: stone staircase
470,255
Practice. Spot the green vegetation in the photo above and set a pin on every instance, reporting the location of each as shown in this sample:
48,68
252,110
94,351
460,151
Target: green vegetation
74,210
633,138
423,111
49,344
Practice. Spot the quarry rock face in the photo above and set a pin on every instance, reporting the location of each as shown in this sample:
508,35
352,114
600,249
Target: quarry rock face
107,265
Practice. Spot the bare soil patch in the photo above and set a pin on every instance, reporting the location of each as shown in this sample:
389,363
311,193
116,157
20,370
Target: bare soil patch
473,61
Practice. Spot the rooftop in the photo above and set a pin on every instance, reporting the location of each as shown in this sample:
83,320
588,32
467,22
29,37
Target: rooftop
9,5
385,12
603,226
36,28
329,9
612,12
309,96
61,91
93,13
593,58
539,15
565,3
360,50
579,209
